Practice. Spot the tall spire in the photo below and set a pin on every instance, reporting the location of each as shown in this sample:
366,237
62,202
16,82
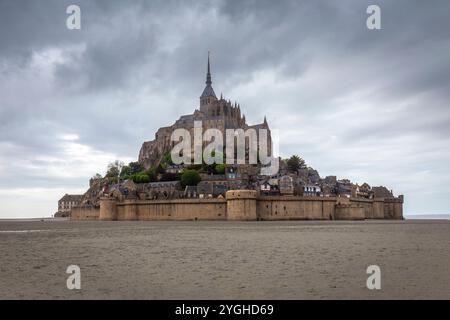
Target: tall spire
208,74
208,91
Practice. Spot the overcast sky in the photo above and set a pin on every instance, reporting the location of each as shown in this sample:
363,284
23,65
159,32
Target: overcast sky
368,105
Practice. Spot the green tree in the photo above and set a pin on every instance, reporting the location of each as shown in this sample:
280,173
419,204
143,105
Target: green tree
135,167
140,177
125,172
112,180
210,168
295,163
114,169
220,168
196,167
152,174
167,160
190,178
97,176
160,169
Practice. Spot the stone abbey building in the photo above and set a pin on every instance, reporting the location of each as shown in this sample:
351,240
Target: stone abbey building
213,112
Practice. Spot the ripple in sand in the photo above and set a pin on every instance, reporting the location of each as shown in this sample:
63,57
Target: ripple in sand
20,231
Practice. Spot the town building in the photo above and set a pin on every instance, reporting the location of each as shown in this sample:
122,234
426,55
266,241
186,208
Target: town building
66,203
311,190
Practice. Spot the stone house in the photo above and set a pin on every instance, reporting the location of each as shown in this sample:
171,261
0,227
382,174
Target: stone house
286,185
344,188
382,192
205,189
66,203
311,190
364,191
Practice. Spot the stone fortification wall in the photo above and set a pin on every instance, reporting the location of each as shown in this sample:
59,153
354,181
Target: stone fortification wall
179,209
296,208
244,205
85,213
241,205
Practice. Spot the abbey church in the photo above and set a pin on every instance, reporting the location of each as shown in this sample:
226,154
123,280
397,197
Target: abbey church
214,113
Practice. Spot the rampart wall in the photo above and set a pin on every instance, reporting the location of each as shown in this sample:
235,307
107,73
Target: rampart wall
85,213
244,205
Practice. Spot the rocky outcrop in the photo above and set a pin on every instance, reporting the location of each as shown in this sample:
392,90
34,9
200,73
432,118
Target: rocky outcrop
95,191
152,152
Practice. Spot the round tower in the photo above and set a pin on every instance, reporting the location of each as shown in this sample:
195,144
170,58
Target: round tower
241,204
108,209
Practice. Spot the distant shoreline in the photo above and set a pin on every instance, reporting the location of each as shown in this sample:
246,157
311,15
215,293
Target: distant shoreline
34,219
428,216
407,217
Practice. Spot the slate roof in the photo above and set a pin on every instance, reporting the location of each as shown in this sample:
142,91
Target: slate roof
205,188
208,92
164,184
71,197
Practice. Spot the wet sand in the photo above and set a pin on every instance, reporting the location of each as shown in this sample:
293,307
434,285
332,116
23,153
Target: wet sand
225,260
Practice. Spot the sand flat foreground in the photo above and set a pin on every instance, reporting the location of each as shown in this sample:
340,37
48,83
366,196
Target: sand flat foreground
225,260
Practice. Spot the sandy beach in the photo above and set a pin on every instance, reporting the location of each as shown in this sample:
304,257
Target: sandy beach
225,260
